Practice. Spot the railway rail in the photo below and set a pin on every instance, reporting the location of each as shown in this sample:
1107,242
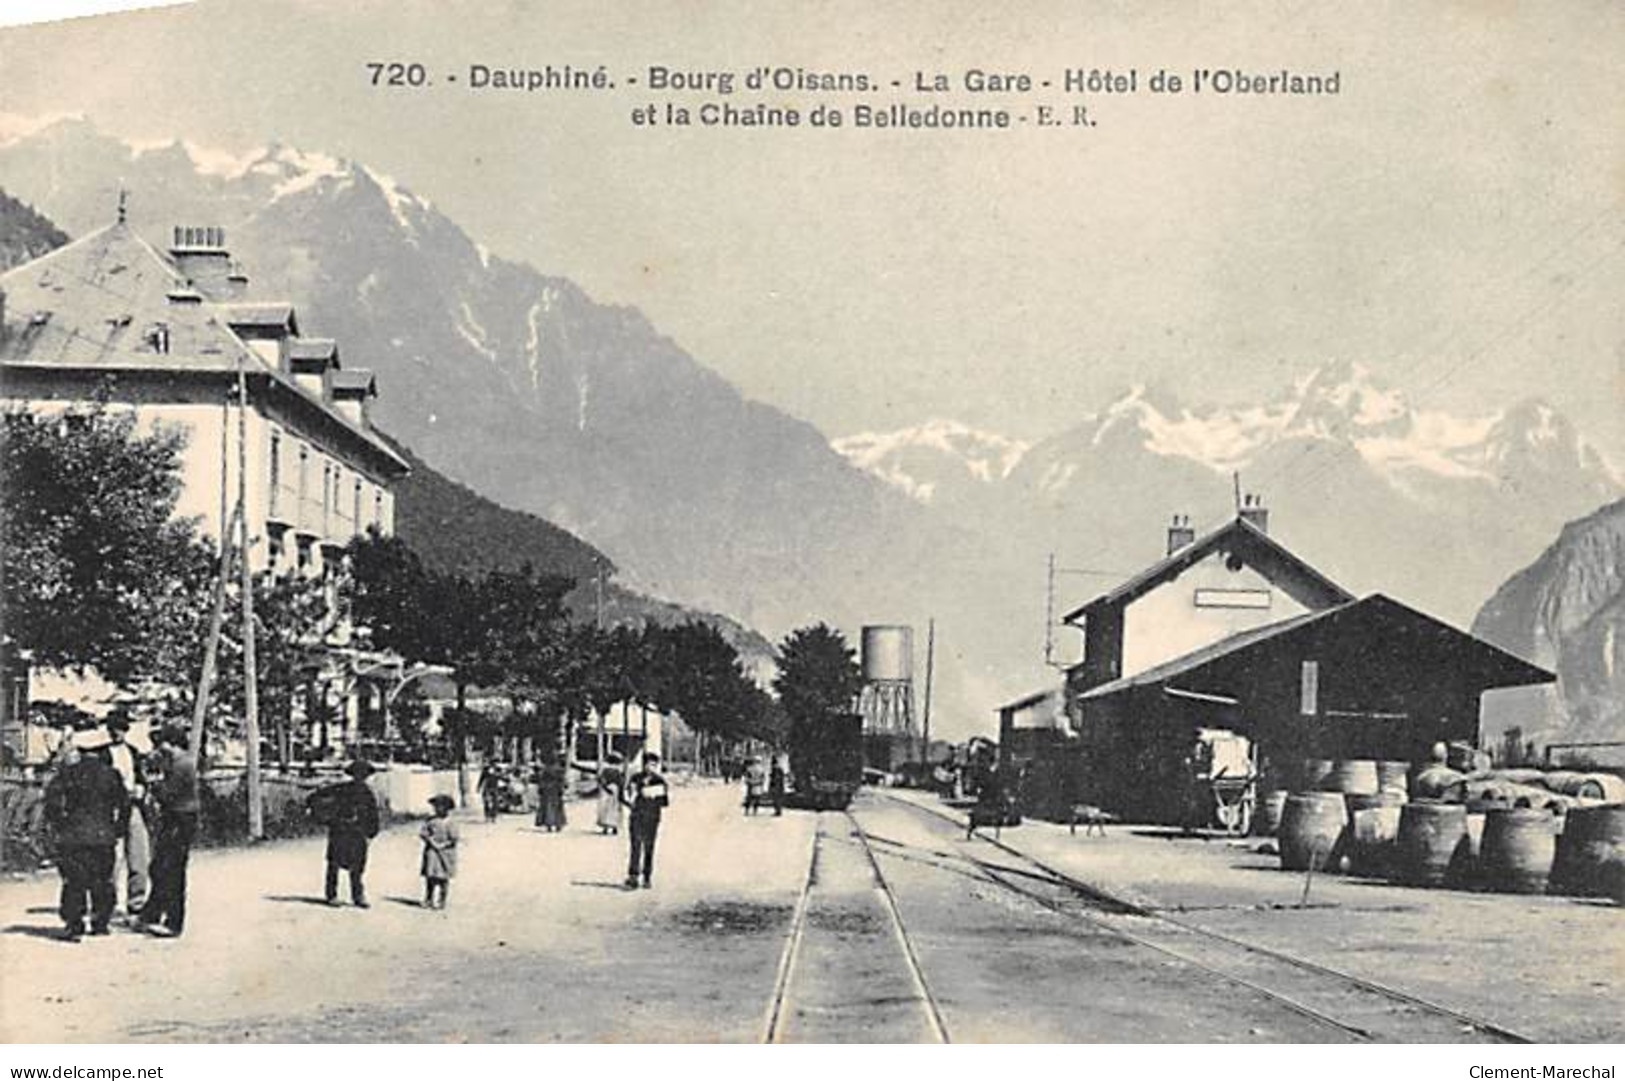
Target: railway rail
779,1023
1359,1008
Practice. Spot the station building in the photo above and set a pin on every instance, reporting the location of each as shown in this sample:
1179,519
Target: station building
1230,632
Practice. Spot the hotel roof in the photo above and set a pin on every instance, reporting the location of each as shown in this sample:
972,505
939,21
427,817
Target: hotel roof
110,302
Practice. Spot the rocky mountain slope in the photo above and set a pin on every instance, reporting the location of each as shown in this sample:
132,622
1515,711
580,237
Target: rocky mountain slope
454,527
1566,612
24,233
517,383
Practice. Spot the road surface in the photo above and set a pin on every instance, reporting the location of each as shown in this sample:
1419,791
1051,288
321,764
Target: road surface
877,927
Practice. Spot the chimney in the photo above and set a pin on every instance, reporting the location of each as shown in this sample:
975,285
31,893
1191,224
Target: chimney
200,255
1254,513
1180,533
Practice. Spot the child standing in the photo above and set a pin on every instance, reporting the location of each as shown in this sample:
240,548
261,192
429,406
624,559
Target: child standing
439,851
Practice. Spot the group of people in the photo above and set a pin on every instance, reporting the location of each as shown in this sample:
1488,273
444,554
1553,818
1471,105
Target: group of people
764,782
350,812
107,801
641,798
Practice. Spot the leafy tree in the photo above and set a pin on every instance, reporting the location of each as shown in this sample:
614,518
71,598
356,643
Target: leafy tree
818,674
97,573
389,592
707,684
292,616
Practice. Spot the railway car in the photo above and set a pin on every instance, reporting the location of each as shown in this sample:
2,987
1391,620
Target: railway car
826,761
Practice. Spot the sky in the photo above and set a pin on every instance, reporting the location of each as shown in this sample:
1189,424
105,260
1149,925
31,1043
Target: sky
1454,218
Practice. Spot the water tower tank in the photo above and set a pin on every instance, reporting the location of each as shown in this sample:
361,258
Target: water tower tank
888,654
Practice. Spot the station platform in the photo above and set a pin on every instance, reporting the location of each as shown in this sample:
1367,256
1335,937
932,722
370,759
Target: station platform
1548,967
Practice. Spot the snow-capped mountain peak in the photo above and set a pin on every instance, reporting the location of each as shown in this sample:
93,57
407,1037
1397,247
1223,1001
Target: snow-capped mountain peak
923,459
1341,404
1343,398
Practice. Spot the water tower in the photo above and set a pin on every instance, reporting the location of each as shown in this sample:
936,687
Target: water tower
887,698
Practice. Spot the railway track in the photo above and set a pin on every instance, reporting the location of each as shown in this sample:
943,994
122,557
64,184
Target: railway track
845,909
1357,1008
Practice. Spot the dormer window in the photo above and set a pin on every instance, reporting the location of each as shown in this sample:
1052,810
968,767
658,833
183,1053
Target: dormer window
158,337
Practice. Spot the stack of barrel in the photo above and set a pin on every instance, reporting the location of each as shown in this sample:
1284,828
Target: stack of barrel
1528,831
1345,811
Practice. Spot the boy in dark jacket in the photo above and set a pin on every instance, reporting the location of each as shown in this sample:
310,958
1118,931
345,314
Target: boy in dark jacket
86,806
175,790
646,795
350,812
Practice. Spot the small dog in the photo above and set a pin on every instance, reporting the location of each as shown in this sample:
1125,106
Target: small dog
1091,818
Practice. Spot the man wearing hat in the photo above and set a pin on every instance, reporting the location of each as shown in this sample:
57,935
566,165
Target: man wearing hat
175,789
646,795
135,846
350,812
86,808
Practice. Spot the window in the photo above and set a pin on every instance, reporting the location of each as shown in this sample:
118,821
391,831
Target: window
355,514
1309,689
304,474
378,509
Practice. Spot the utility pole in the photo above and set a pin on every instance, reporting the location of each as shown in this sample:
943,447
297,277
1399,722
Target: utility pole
251,691
930,658
1049,614
598,615
211,646
1049,602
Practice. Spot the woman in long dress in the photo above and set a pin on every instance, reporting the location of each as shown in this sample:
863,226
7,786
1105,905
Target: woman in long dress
550,782
610,810
755,785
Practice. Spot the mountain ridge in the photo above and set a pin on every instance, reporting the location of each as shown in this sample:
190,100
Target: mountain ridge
520,384
1566,611
455,528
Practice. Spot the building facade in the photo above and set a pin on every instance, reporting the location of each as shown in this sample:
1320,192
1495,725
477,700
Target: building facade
167,335
272,418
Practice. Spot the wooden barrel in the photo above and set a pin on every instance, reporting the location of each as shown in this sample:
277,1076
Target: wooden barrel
1519,776
1314,771
1538,798
1268,823
1352,775
1487,791
1519,847
1613,787
1311,830
1429,834
1393,776
1601,786
1373,828
1435,782
1590,857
